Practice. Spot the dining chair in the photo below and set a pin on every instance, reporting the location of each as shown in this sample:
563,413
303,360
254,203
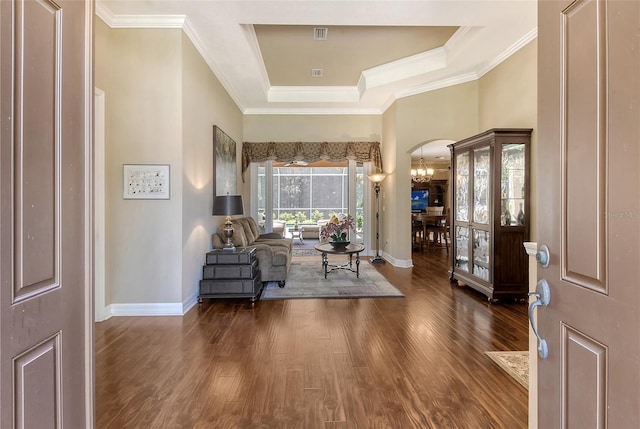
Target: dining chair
435,211
440,233
417,234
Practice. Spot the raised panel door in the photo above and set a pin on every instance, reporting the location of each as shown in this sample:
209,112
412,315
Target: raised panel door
45,142
589,199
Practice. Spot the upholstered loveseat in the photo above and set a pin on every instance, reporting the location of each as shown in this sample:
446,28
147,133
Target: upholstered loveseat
309,230
272,250
312,230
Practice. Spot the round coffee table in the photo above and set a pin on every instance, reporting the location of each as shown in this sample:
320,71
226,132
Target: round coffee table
352,249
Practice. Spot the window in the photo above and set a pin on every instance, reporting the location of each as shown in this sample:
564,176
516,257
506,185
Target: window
307,194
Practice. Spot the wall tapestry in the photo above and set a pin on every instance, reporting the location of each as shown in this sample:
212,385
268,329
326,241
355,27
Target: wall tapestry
224,163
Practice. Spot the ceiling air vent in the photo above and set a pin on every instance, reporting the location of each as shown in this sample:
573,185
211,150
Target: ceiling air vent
317,72
320,33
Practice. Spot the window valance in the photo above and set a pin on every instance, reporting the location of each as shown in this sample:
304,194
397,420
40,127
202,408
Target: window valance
310,152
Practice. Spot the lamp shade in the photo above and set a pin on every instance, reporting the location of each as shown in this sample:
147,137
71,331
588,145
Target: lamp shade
227,205
377,178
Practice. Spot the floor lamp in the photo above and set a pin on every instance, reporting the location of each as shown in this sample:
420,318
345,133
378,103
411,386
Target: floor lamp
377,179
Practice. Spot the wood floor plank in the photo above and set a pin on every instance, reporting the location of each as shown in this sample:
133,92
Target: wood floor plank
387,363
360,404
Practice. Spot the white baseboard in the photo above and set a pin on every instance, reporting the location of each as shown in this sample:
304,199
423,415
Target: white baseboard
106,314
189,303
158,309
400,263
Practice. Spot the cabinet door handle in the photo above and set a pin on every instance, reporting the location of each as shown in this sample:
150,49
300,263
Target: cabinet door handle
543,296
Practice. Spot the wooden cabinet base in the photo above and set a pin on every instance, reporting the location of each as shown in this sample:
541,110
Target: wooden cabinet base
505,292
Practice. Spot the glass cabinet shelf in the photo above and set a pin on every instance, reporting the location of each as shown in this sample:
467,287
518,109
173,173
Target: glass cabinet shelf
462,248
462,187
512,185
481,183
481,254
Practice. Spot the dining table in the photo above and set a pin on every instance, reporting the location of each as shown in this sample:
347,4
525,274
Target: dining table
419,224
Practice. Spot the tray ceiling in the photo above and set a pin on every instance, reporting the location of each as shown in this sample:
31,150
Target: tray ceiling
263,51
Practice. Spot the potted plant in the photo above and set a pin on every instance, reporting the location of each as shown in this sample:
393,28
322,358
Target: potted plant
336,231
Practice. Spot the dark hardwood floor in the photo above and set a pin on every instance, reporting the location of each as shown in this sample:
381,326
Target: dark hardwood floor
414,362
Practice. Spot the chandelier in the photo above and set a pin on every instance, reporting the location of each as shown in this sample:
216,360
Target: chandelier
421,174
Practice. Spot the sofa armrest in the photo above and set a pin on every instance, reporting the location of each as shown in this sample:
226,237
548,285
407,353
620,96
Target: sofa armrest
217,242
270,256
263,251
269,235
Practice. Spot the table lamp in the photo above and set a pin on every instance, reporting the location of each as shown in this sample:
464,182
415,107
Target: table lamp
228,205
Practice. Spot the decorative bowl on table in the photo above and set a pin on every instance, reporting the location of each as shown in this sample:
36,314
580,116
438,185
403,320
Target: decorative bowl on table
339,244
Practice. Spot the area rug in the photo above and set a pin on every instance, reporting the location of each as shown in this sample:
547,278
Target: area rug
306,248
306,280
516,364
305,252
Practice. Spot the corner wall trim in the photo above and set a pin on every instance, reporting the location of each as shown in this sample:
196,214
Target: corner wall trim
189,303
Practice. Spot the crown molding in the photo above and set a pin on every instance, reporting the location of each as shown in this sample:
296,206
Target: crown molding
312,111
432,86
392,99
503,56
254,45
139,21
191,33
405,68
468,77
103,13
169,21
458,37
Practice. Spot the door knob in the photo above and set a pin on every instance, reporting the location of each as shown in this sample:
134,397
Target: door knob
542,256
543,296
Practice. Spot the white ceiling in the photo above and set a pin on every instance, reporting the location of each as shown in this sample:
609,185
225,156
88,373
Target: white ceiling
359,79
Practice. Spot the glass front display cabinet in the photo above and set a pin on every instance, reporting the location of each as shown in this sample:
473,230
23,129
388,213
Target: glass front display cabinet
490,218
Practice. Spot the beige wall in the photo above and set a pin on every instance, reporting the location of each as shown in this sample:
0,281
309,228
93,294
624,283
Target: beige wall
450,114
508,93
204,103
343,128
143,126
389,185
161,104
508,98
504,97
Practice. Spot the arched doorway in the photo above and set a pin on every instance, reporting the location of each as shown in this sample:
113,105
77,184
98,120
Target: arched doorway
430,175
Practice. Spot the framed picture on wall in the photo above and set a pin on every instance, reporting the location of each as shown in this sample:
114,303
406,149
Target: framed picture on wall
146,182
224,163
